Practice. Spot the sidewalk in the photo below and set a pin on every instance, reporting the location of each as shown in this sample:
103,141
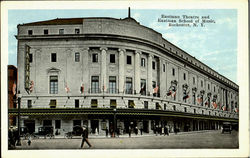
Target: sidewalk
93,136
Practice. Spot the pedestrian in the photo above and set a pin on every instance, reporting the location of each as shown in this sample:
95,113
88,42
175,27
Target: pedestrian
129,131
118,131
141,130
85,137
136,130
107,132
29,141
167,129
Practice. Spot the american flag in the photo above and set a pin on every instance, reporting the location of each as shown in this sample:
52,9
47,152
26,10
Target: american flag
155,90
67,88
82,88
31,86
14,88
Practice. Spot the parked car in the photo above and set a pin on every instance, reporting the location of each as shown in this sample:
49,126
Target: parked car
226,127
46,131
77,131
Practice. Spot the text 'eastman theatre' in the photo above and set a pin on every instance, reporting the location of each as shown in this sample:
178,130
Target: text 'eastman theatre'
115,74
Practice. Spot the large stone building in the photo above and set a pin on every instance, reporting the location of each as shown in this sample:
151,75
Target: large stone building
115,73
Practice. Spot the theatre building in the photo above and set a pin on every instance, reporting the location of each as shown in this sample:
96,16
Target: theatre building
115,74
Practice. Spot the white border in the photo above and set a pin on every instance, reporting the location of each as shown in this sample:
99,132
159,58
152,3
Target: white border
243,76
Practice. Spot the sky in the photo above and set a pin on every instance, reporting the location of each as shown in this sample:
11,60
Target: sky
215,44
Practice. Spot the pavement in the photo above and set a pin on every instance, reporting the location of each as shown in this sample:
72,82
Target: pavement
182,140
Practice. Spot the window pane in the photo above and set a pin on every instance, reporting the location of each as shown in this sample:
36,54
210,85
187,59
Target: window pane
129,59
77,57
112,58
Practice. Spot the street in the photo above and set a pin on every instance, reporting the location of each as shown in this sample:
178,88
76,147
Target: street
183,140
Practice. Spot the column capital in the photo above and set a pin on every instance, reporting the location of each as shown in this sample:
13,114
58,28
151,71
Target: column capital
103,48
121,50
150,55
85,49
138,52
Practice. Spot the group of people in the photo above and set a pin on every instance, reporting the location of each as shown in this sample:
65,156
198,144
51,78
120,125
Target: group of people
162,130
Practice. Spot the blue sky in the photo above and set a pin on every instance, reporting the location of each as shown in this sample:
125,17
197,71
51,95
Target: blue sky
215,44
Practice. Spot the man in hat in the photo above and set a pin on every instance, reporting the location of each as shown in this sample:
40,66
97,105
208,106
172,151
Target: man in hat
85,137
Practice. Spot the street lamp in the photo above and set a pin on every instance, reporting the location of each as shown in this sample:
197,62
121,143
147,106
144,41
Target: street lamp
114,121
18,127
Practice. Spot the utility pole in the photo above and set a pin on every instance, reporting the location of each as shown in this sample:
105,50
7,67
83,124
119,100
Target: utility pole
19,106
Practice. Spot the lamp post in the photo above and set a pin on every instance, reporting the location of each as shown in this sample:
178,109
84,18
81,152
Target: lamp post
18,127
114,121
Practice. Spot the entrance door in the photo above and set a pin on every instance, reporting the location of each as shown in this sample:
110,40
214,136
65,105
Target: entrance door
145,126
30,124
94,124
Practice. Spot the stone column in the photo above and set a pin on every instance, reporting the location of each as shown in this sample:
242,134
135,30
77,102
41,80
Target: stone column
103,79
137,72
149,82
149,127
121,71
85,69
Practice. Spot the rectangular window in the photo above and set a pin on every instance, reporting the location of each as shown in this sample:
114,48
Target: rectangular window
143,64
145,105
95,84
53,57
143,87
129,87
129,59
174,108
112,84
94,103
153,65
77,31
77,57
112,103
61,31
194,99
77,122
201,83
95,58
184,76
30,32
53,84
57,124
185,109
164,68
165,106
46,32
131,104
77,103
193,80
208,87
112,58
52,103
173,71
214,88
47,122
30,58
29,103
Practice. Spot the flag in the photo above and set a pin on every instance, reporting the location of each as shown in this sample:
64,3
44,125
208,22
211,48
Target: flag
169,93
67,88
199,100
173,94
185,97
214,105
224,108
31,86
82,89
236,110
142,89
14,88
155,90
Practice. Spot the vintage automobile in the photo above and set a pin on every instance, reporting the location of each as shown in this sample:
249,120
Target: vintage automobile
77,131
45,131
12,137
226,127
